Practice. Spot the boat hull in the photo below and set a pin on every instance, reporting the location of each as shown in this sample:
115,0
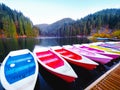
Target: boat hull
76,59
84,65
66,78
19,70
93,56
105,49
100,60
53,63
112,46
102,52
114,56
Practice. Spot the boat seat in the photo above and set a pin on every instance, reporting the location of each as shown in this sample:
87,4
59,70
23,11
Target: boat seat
51,60
56,63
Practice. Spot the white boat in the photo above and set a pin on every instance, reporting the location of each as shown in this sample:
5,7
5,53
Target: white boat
95,45
91,55
54,63
75,58
99,51
19,71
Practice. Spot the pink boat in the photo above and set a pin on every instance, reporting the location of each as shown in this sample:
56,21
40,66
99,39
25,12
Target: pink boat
91,55
75,58
112,55
110,46
56,65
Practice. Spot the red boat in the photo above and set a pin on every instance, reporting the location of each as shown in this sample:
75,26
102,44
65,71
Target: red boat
75,58
55,64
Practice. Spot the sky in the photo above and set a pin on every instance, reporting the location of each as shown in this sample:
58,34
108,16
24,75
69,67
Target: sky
50,11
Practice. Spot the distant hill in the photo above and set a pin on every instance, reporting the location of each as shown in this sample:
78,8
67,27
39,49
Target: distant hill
51,29
101,21
107,19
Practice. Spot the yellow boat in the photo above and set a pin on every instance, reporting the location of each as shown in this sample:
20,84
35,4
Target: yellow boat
105,49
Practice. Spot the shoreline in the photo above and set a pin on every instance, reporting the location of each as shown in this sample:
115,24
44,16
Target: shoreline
42,37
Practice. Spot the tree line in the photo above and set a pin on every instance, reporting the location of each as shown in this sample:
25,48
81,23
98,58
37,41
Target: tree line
94,23
14,24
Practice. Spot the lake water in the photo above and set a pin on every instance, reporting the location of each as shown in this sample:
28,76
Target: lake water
7,45
46,80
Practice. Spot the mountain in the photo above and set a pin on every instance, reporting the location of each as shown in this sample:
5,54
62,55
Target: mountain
51,29
42,26
101,21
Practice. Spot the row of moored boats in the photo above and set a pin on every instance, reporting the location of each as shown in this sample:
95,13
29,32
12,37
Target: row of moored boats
19,70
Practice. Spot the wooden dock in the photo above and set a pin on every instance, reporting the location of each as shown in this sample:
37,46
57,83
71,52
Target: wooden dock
109,81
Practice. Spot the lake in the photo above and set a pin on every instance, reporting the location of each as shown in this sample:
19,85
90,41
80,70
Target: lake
7,45
46,80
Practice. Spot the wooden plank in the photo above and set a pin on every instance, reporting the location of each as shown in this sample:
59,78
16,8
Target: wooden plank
110,80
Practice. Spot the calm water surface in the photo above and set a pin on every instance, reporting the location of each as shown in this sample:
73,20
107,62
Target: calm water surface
46,80
7,45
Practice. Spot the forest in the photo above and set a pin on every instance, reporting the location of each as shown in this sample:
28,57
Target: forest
14,24
103,23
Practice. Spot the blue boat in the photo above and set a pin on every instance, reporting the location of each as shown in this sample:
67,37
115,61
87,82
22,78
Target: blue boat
102,39
19,70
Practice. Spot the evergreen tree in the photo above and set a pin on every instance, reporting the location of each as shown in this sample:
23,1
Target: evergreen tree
13,23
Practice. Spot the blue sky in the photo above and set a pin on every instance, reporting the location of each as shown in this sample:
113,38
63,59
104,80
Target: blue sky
49,11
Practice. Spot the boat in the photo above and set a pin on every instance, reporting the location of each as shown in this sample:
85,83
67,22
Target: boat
105,49
91,55
102,39
108,45
102,52
113,43
114,39
19,70
55,64
107,39
74,58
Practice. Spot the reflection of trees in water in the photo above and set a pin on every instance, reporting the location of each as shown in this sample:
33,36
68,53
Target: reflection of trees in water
27,43
72,40
2,51
83,40
7,45
62,41
48,42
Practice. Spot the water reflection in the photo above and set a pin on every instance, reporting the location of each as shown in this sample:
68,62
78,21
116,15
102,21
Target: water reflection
7,45
62,41
48,42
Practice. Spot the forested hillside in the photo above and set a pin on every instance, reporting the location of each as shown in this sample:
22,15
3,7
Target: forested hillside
14,24
51,29
105,21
